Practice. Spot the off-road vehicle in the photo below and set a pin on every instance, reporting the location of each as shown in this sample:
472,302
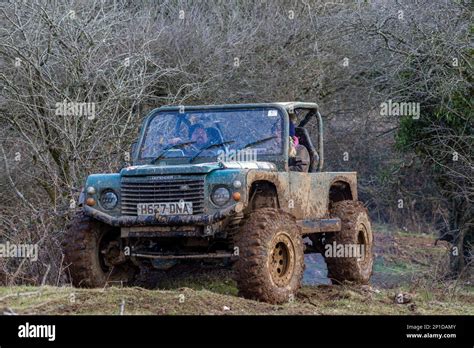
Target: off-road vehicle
223,183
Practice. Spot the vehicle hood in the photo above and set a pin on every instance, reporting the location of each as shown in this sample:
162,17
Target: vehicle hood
200,168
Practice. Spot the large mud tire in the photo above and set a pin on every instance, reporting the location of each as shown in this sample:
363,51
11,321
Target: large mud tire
271,256
82,246
355,229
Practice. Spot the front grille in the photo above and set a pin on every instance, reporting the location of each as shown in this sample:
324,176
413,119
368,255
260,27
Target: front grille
136,190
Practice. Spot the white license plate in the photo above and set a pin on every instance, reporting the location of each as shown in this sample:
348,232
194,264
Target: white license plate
168,208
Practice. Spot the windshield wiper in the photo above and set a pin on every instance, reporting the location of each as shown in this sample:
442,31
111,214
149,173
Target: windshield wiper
210,147
162,153
253,143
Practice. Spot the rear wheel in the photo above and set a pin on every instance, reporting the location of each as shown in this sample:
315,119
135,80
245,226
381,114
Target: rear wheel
271,259
355,235
93,254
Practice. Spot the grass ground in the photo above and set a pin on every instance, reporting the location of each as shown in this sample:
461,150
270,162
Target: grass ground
405,263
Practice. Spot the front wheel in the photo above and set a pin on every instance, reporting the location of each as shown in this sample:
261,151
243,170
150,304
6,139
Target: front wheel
271,257
93,254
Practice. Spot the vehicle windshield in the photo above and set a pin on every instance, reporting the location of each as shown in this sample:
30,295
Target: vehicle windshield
213,133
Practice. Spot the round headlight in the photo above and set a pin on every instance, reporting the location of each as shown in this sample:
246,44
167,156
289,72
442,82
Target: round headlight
108,200
221,196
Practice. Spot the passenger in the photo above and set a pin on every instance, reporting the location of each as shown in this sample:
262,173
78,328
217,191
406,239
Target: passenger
294,141
299,158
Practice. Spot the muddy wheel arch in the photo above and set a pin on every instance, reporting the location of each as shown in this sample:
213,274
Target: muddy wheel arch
274,182
263,194
342,189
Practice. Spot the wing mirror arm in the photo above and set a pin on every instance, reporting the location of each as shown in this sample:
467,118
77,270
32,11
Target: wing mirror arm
321,142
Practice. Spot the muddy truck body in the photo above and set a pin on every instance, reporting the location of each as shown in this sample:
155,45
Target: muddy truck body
227,184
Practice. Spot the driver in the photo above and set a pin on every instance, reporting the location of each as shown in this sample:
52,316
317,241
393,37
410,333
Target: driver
200,138
198,134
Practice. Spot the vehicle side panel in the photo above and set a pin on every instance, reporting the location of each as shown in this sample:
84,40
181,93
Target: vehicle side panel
309,192
304,195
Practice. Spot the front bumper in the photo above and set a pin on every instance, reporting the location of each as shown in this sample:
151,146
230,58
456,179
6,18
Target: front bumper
173,220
